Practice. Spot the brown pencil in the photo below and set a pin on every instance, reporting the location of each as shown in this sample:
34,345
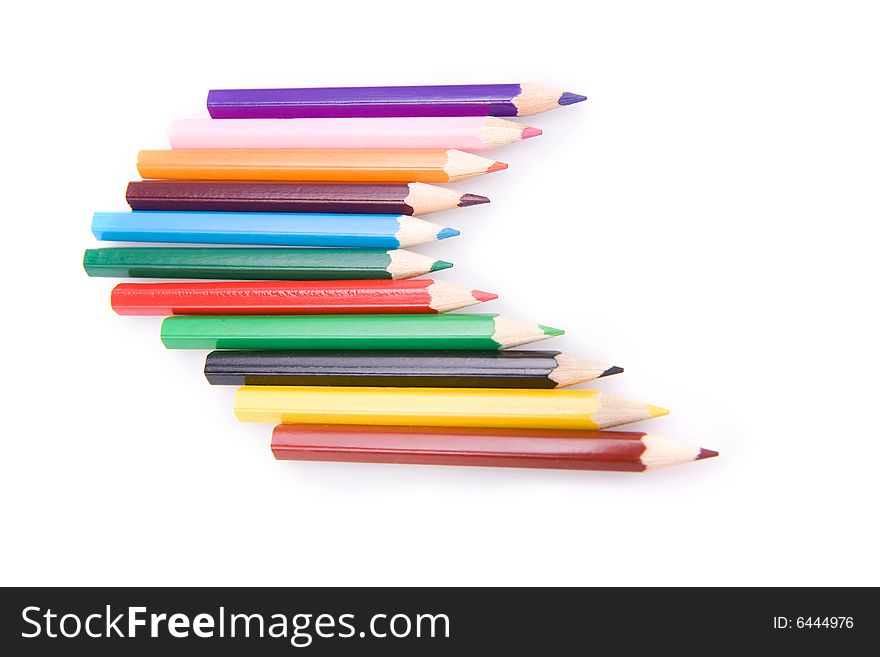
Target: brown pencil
235,196
513,448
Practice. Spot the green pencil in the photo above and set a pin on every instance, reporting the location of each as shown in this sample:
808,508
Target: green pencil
282,264
452,331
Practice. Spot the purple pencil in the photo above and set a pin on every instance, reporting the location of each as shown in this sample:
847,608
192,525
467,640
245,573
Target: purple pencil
337,102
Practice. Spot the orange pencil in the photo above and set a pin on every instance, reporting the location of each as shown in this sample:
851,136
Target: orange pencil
393,165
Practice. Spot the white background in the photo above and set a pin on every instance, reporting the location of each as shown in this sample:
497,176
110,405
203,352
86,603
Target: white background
708,220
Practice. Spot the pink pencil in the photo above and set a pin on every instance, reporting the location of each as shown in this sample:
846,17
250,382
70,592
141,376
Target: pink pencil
460,132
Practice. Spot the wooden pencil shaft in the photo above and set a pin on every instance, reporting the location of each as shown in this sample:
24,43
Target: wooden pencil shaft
315,165
340,332
450,407
257,196
517,448
258,263
455,369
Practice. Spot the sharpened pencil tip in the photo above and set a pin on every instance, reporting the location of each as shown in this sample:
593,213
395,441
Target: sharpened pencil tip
440,264
614,369
447,232
468,200
656,411
479,295
497,166
706,454
529,132
570,98
550,331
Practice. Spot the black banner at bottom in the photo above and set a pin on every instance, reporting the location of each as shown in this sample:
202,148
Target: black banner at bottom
429,621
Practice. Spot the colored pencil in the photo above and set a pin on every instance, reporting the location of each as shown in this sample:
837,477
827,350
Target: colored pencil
468,133
336,102
280,264
357,198
314,165
423,369
269,228
335,332
293,297
621,451
439,407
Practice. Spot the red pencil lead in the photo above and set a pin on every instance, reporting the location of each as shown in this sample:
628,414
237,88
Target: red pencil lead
706,454
481,296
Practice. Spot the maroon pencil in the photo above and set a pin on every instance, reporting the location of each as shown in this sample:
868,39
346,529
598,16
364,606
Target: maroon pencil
356,198
514,448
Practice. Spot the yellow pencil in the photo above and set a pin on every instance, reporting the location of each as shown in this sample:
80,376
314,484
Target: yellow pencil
439,407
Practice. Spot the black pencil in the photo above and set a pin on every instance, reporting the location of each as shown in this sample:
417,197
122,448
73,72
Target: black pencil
443,369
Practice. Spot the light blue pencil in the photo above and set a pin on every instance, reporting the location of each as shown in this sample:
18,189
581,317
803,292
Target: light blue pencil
268,228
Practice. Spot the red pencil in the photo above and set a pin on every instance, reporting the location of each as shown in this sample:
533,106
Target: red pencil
293,297
631,451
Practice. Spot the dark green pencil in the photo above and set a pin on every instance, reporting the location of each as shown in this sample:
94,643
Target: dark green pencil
283,264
